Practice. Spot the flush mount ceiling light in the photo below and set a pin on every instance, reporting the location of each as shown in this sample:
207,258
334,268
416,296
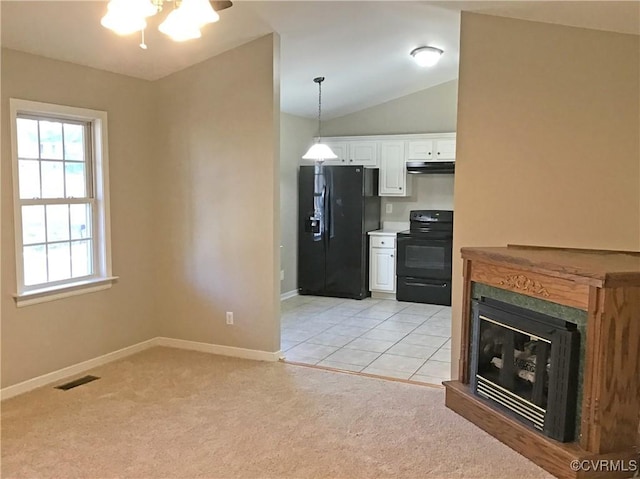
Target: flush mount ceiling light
184,22
319,151
426,56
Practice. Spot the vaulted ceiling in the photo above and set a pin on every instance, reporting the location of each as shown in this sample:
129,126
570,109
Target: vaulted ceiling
361,47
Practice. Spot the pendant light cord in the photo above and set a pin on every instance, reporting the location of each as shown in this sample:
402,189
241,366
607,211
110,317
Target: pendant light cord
319,81
319,110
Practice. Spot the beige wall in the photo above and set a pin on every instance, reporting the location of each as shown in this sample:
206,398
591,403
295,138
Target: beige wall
548,139
217,193
429,192
45,337
432,110
296,134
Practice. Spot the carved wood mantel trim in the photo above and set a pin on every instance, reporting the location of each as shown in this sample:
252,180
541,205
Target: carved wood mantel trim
537,285
524,283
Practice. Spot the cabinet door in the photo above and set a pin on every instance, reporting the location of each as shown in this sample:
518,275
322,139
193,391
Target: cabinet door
341,149
446,149
382,270
393,175
420,150
363,153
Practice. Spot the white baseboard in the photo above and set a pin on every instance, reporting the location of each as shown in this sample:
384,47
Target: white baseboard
288,294
52,377
219,349
55,376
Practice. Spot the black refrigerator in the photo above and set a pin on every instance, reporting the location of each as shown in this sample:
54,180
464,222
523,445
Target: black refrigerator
337,206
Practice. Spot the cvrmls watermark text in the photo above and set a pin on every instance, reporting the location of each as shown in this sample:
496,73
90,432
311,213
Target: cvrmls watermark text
605,465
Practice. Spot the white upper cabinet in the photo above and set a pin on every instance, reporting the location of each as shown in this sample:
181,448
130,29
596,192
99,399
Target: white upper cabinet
436,149
446,149
393,172
341,149
356,153
390,153
420,150
363,153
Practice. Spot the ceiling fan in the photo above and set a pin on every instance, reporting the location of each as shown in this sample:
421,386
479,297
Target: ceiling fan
184,22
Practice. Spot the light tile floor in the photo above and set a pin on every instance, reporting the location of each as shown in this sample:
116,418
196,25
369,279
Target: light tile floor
376,336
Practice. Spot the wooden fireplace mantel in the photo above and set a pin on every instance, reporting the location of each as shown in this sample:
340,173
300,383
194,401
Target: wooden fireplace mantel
604,284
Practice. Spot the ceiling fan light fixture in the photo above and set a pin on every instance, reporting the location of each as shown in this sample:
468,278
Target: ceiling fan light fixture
426,56
199,12
180,26
319,151
123,24
125,17
183,22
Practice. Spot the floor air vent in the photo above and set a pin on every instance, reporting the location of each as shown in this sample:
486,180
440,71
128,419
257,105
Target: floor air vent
77,382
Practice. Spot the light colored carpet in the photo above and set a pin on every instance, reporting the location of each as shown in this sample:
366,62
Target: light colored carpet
167,413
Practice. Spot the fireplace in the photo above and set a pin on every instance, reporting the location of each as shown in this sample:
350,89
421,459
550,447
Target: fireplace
526,364
598,293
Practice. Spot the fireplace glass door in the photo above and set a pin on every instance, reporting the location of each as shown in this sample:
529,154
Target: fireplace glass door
513,369
526,364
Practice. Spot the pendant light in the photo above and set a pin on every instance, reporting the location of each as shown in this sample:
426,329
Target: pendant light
319,151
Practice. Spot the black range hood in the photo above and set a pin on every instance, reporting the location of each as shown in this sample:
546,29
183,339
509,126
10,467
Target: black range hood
431,167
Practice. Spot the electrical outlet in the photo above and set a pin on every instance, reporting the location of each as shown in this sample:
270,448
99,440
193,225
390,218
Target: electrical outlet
229,317
389,208
281,275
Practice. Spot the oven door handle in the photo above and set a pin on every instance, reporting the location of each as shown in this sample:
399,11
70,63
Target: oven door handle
428,285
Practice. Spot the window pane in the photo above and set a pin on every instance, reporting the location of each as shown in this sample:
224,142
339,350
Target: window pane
73,142
52,179
81,258
59,258
80,221
33,224
57,222
51,140
35,264
75,180
29,178
27,132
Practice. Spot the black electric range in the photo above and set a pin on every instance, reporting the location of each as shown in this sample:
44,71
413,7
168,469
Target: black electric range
424,256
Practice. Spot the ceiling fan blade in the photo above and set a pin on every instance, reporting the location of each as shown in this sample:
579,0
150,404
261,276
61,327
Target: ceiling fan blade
220,4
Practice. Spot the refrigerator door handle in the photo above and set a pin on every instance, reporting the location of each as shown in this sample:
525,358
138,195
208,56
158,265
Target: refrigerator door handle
329,210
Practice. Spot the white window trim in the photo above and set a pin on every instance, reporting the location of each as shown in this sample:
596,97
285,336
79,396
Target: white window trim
104,277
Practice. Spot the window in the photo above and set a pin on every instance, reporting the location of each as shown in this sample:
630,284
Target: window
60,201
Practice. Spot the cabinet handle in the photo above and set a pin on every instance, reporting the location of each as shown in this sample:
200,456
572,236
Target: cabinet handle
351,160
400,187
342,160
392,256
429,153
438,153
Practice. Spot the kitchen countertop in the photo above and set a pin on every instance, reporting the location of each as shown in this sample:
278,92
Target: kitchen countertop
384,232
390,228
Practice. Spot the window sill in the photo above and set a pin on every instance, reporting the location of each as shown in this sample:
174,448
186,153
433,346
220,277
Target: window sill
45,295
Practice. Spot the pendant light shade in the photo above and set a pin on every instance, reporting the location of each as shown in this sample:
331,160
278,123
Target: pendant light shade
319,151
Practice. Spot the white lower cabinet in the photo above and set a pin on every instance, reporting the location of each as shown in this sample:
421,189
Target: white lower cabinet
382,263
